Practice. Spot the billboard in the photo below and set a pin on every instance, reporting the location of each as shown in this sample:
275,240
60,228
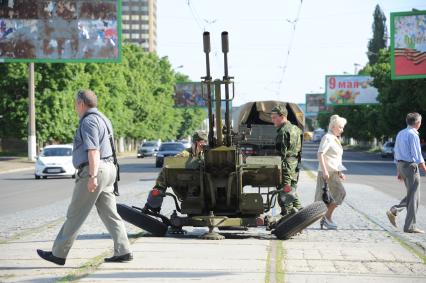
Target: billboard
350,90
60,30
189,95
408,45
315,103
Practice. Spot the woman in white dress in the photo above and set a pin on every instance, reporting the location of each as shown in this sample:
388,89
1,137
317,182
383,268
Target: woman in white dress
330,169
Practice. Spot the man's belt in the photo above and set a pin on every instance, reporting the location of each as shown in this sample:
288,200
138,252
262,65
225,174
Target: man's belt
105,159
405,161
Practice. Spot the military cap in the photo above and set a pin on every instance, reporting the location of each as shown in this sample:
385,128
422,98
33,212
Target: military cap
199,136
280,110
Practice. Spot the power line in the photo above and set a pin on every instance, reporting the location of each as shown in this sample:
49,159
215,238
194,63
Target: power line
290,46
193,13
196,17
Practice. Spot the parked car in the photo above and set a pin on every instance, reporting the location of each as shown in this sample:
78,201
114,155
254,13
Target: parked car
318,134
148,148
55,160
388,149
168,149
186,143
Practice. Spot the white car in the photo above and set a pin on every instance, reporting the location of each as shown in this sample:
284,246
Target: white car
55,160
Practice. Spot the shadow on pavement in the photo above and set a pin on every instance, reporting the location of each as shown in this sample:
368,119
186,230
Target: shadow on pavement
147,179
93,236
34,267
160,274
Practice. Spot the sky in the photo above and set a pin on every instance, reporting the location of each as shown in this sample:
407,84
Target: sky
272,55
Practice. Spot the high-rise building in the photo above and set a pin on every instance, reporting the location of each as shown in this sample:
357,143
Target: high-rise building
140,23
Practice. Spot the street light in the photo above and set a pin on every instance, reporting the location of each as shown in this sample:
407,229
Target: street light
356,65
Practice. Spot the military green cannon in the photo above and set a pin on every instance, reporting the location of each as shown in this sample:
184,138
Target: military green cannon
225,189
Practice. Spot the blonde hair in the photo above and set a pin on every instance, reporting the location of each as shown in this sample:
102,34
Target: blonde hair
336,120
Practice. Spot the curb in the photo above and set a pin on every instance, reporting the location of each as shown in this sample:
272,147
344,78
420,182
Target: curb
16,170
32,167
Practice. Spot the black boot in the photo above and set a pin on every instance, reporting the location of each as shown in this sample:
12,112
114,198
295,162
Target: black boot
120,258
50,257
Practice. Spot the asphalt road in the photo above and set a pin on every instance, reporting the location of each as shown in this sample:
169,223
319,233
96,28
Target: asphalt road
368,169
20,191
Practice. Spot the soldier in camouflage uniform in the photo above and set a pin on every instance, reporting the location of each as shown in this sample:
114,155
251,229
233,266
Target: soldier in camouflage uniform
289,144
155,197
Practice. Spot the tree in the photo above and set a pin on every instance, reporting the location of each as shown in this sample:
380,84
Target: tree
379,40
397,97
136,94
191,117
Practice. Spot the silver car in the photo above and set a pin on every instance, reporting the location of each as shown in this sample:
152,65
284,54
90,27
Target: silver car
148,148
388,149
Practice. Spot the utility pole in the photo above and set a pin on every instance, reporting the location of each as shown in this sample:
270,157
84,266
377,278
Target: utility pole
31,114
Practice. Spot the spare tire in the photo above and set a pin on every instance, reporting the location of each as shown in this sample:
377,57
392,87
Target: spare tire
300,220
142,220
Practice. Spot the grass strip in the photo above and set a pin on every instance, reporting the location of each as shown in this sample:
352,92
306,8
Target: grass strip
30,231
92,265
279,266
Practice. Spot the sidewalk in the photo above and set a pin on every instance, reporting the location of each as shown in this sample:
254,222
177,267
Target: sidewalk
360,251
15,164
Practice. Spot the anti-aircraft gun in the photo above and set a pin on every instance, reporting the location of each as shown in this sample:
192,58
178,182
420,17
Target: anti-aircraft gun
225,189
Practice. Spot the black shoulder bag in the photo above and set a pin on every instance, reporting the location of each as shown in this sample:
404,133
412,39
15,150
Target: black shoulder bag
114,155
327,198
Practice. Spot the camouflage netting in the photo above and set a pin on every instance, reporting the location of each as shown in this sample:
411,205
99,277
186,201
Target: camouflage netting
260,113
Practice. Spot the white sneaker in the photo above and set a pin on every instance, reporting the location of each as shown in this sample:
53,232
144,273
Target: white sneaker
329,224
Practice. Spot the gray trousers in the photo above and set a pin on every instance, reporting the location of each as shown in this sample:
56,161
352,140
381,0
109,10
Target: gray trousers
82,203
410,173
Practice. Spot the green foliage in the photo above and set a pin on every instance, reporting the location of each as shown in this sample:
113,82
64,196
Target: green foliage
324,119
137,95
191,117
397,97
380,34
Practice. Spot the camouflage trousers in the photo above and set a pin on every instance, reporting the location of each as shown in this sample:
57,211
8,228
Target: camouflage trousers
289,201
